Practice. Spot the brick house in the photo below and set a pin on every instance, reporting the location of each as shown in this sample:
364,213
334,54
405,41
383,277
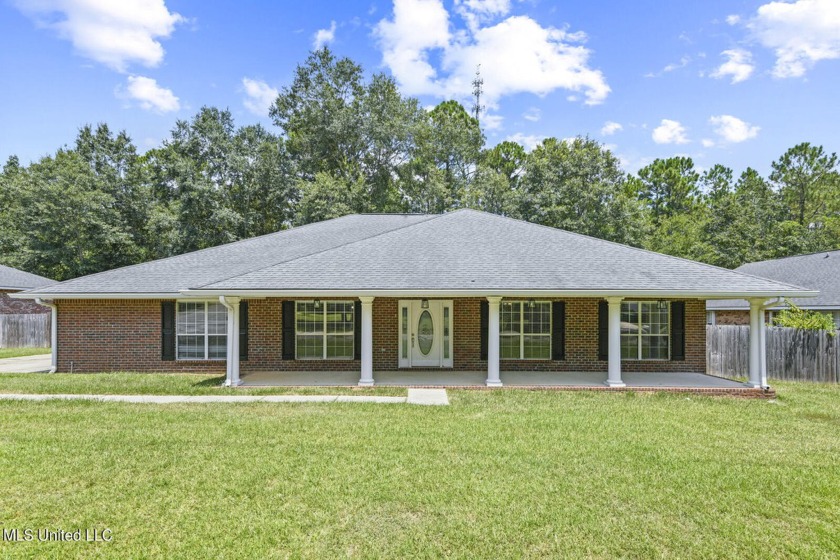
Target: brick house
816,271
13,280
436,295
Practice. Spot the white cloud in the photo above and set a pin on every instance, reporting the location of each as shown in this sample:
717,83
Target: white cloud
733,129
115,34
492,122
739,65
324,36
611,128
476,12
733,19
670,132
707,142
533,114
528,141
800,33
516,54
259,96
684,60
149,95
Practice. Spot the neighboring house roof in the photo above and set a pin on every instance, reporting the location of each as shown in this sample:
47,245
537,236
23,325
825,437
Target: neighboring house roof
14,279
463,252
817,271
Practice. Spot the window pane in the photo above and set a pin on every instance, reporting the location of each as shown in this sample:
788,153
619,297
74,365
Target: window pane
629,347
537,319
509,317
340,317
446,332
217,347
340,346
309,346
216,318
654,347
190,318
309,319
191,347
509,347
537,347
405,332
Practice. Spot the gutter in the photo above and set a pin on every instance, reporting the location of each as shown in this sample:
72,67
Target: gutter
53,331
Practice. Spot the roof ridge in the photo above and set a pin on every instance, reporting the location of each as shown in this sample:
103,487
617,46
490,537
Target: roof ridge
625,246
792,257
430,218
129,266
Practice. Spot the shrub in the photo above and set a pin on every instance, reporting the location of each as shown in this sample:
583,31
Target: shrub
798,318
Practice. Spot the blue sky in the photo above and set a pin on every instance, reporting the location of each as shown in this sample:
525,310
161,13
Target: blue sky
733,82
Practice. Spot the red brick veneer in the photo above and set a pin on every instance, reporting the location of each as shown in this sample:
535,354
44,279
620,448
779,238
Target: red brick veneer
9,306
125,335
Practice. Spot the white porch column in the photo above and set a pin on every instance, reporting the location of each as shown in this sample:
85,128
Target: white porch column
763,350
614,338
367,342
232,305
493,379
53,332
756,328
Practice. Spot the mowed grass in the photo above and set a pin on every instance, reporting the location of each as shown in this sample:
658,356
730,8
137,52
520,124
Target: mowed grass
498,474
161,384
18,352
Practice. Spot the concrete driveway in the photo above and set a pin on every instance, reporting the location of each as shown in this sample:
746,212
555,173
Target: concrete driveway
26,364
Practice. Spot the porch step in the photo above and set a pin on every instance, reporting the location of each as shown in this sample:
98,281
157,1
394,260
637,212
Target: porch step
427,396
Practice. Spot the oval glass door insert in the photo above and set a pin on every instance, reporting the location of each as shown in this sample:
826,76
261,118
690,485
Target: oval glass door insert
425,332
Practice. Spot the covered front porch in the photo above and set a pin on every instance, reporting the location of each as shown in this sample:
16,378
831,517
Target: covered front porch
477,379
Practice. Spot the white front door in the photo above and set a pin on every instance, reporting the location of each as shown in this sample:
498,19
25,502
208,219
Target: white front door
425,333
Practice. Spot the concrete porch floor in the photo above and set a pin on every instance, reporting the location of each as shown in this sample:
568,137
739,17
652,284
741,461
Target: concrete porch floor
449,378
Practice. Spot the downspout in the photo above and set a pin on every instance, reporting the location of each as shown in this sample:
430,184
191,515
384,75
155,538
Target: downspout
53,331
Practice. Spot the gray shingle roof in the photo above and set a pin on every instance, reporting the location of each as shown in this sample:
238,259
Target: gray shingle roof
14,279
817,271
458,252
217,263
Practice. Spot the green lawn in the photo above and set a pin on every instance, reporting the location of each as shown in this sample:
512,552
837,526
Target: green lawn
161,384
498,474
17,352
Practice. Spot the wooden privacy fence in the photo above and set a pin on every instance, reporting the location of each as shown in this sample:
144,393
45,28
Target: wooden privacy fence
792,354
25,331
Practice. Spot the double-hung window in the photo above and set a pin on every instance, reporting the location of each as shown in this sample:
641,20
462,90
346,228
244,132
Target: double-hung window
525,330
324,330
645,330
201,330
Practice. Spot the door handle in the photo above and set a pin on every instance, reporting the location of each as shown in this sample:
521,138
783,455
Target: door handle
412,340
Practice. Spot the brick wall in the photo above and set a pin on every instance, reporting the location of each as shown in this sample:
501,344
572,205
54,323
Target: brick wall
9,306
125,335
736,317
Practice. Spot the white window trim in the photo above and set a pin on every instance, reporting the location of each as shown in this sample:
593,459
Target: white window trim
522,303
206,334
638,357
324,333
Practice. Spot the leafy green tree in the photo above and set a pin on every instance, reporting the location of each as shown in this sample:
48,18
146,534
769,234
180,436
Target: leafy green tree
67,224
668,187
808,181
579,186
327,197
491,191
807,319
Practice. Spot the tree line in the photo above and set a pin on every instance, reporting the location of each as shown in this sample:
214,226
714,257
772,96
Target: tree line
348,144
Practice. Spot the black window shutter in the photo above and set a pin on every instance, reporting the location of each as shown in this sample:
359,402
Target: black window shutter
558,333
167,345
484,328
357,331
603,331
678,331
243,331
288,330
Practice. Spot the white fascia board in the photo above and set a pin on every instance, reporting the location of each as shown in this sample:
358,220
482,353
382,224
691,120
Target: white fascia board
503,293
